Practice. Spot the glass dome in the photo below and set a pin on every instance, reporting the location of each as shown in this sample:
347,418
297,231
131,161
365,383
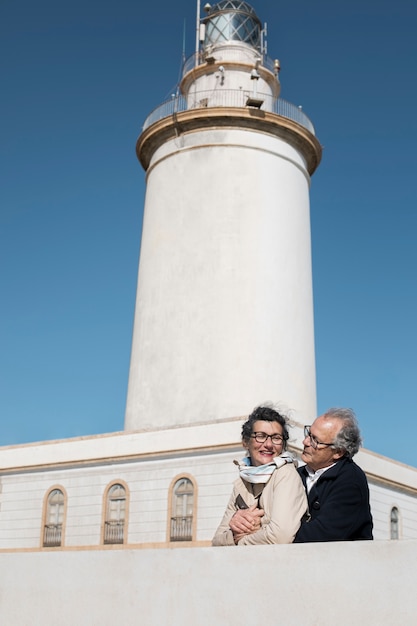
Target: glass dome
231,20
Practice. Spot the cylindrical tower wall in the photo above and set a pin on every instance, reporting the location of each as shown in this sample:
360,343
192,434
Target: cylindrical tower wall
224,311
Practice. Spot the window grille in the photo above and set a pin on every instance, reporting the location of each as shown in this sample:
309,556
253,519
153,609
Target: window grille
52,532
394,523
182,511
114,524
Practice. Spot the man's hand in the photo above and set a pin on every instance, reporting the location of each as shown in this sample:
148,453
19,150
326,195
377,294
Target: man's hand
246,521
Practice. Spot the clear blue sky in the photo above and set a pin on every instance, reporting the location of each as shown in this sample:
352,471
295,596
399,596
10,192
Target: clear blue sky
78,79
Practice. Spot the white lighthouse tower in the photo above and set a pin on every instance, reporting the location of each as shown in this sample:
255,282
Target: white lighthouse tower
224,310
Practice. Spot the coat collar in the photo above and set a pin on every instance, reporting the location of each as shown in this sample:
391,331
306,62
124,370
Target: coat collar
329,474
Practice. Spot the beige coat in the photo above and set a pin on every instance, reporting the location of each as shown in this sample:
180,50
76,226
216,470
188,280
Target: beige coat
283,500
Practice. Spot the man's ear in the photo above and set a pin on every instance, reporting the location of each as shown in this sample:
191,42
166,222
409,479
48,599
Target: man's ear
338,454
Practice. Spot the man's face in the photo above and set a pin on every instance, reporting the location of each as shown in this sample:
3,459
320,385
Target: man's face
323,431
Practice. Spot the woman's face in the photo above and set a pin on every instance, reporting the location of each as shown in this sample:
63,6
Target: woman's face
262,453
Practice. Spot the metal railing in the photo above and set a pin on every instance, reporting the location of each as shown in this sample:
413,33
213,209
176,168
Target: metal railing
52,535
227,98
113,532
181,528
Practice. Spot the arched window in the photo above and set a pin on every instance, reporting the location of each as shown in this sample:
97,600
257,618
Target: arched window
395,523
114,523
182,510
54,518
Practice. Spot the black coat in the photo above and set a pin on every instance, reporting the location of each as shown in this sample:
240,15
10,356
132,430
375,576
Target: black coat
339,505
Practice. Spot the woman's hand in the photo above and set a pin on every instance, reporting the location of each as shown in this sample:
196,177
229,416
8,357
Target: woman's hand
246,521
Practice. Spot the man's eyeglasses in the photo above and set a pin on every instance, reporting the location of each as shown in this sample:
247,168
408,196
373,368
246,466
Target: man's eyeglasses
262,437
315,443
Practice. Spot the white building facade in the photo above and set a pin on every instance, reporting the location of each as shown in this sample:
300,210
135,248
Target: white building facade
155,489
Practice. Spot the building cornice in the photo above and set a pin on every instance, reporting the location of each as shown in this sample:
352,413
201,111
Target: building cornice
217,436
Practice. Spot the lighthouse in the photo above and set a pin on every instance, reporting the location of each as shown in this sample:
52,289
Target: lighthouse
224,308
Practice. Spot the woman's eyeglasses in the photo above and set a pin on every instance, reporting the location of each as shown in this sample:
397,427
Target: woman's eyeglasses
262,437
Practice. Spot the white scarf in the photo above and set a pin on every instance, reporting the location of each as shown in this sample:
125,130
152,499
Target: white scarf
261,473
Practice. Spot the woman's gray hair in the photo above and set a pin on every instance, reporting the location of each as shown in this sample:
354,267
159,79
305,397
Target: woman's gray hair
348,439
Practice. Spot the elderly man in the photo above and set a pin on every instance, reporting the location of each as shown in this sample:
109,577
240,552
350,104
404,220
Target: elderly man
337,489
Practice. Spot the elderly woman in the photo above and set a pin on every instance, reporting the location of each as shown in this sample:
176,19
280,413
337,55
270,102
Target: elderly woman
268,500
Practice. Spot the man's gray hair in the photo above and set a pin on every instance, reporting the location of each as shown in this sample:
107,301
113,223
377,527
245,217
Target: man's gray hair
348,439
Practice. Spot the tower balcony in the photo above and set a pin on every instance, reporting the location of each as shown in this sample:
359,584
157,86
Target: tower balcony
236,98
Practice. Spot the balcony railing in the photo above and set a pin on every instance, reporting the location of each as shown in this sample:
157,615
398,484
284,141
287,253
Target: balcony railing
181,528
227,98
52,535
113,532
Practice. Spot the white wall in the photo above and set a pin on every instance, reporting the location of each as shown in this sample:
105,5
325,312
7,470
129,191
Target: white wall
361,583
